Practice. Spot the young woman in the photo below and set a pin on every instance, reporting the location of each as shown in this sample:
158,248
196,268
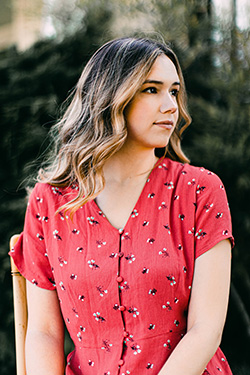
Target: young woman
124,241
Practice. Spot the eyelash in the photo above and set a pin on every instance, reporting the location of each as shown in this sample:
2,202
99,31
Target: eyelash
148,89
174,92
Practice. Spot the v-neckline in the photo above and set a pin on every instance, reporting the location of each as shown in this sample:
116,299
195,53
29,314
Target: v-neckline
105,217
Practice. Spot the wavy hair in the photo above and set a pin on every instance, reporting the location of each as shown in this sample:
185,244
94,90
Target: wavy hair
93,127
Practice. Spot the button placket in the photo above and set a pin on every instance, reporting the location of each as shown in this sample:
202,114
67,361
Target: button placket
121,308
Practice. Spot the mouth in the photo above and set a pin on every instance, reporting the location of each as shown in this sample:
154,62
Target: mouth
165,124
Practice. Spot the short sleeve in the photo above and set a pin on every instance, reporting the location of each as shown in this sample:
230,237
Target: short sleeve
213,219
29,254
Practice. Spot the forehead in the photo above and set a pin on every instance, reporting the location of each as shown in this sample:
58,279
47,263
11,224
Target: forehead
163,70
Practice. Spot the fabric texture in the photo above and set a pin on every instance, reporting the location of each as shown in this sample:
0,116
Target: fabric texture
124,294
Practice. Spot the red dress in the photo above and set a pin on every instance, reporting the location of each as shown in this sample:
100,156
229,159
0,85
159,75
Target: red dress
124,294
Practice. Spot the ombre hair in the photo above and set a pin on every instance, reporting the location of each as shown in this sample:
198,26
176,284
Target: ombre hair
93,127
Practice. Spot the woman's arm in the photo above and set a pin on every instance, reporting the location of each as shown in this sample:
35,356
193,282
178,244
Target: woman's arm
45,333
206,313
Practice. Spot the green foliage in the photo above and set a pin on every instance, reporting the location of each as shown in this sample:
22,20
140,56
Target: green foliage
34,84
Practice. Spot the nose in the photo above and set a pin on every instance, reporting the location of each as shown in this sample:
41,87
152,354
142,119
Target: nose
169,104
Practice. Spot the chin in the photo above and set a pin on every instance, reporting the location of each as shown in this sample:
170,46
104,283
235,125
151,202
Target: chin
161,144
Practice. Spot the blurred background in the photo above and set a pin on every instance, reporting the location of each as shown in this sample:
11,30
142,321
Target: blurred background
44,45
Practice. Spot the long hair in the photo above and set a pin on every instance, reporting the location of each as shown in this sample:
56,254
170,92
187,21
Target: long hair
93,127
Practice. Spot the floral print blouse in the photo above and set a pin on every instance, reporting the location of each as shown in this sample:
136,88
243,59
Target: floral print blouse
124,293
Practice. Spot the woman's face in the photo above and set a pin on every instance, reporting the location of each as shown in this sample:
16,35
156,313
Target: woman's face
152,114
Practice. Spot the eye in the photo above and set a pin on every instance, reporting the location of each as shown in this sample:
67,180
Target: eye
150,90
174,92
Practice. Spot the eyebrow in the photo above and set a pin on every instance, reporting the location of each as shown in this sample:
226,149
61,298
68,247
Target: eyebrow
160,82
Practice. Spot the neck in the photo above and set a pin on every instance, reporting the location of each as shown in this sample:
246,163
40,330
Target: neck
124,166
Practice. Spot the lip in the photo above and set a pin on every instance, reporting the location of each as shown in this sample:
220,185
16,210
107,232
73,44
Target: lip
165,124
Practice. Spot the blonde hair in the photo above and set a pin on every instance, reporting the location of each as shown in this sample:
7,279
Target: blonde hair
93,127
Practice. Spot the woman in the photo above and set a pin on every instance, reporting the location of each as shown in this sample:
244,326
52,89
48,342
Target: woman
132,247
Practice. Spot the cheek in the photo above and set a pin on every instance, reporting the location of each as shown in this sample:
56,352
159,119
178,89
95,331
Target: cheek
135,114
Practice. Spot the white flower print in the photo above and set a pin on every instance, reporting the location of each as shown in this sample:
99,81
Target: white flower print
124,286
136,349
163,166
92,220
75,312
167,344
79,336
133,310
101,213
163,206
56,235
152,291
191,231
151,195
168,228
200,189
62,261
92,264
98,317
164,253
130,258
126,236
79,249
101,290
208,206
63,216
167,306
192,182
171,278
56,190
134,213
62,286
219,215
100,243
151,326
200,234
106,345
150,240
169,184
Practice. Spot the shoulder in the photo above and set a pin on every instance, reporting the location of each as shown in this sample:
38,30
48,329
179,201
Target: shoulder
49,194
194,175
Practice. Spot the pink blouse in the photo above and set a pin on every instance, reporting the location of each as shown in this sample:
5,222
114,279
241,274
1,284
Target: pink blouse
124,293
